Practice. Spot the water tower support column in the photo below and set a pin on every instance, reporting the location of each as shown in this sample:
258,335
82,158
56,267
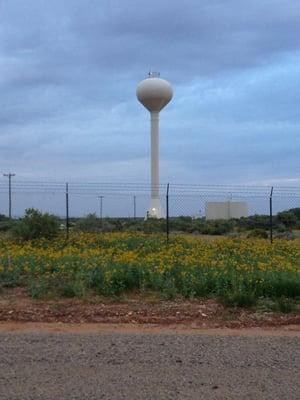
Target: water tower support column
154,93
155,210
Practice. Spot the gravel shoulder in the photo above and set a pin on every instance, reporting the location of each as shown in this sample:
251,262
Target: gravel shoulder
144,349
136,364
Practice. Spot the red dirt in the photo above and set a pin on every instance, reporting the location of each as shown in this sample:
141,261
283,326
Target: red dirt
94,328
17,307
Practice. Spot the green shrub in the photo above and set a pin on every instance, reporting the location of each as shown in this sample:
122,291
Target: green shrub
258,233
218,227
283,305
182,224
255,222
89,224
238,299
3,218
35,225
153,225
6,225
38,289
72,288
286,287
169,291
287,218
288,235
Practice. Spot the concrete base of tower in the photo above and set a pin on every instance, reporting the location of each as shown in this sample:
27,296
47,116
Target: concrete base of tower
155,210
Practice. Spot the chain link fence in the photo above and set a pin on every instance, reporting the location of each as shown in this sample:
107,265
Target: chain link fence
197,209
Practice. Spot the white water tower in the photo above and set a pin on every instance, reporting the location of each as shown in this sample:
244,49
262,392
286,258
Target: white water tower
154,93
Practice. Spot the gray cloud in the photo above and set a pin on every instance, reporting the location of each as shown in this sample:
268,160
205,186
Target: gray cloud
68,73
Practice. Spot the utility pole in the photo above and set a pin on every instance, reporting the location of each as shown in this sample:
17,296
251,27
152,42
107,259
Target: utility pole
271,215
134,206
9,175
67,210
101,206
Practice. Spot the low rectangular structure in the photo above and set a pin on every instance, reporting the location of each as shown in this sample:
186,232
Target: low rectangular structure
226,210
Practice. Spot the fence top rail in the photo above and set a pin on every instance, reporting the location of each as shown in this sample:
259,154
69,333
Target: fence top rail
31,186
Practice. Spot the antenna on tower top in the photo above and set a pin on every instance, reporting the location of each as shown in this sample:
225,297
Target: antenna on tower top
153,74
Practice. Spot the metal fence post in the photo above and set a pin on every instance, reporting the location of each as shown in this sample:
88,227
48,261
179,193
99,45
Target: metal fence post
271,215
167,213
67,210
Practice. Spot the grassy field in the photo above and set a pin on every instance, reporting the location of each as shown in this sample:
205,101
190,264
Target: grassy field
236,271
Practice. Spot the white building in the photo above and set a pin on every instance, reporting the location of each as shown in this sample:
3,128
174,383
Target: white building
226,210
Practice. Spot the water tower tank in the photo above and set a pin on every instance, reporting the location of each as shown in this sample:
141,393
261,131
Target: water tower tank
154,93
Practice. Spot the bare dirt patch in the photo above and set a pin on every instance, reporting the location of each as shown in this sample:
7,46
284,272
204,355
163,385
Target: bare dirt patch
137,309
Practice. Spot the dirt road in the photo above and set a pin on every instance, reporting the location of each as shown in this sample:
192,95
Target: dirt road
119,363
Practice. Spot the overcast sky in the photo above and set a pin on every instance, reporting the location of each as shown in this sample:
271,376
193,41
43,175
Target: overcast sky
68,75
